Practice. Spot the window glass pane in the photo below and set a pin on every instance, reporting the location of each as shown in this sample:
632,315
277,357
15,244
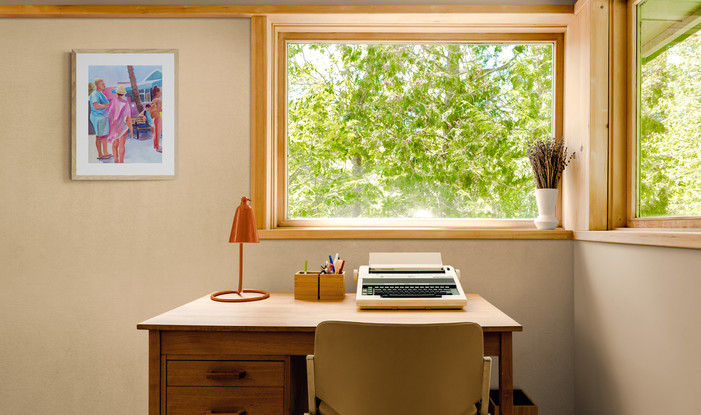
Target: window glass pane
669,118
409,130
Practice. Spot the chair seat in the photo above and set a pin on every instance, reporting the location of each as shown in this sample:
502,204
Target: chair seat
324,409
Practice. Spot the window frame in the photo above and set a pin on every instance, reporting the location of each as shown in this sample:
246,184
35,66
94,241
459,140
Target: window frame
271,185
633,221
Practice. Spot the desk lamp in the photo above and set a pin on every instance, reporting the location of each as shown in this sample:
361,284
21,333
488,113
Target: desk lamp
243,231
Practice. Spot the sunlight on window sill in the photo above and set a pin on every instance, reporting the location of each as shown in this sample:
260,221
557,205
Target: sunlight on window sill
673,238
410,233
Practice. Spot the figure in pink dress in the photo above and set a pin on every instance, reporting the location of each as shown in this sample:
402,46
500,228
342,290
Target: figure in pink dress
119,115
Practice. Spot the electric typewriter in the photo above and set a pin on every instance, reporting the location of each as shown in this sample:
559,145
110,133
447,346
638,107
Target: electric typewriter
408,280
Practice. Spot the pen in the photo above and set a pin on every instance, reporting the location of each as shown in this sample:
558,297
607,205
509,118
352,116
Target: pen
305,266
335,261
340,267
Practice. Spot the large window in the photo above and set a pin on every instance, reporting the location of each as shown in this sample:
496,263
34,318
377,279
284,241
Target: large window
400,131
669,109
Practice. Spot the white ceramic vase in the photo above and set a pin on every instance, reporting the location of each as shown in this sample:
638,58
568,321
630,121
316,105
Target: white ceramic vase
546,200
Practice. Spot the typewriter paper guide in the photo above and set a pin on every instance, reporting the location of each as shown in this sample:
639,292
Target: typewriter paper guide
405,261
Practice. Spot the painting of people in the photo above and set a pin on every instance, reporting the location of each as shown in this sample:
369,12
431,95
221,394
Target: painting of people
124,114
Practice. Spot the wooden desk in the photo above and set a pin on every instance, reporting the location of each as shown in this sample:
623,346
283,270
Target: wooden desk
205,343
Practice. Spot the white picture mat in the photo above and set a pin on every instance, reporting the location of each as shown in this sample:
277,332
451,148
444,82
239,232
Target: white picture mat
82,166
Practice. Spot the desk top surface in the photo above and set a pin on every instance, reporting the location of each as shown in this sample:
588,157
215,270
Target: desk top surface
281,312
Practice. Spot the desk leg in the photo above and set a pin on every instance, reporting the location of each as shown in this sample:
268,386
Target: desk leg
154,372
506,375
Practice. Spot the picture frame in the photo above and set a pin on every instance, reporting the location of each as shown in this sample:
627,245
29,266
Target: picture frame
124,114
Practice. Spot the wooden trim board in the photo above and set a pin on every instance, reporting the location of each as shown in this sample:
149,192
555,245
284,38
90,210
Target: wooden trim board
657,237
408,233
48,11
276,216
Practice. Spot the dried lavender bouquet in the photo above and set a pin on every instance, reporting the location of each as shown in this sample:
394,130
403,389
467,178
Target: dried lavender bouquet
548,159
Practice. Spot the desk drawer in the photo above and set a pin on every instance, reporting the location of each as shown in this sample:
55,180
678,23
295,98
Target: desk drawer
224,400
225,373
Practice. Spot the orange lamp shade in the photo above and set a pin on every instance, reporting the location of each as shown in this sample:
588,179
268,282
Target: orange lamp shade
244,228
242,231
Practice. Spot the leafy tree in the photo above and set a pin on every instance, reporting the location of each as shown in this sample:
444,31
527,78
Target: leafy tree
670,131
415,130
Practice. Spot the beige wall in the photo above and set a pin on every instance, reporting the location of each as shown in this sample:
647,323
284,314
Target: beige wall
82,263
637,336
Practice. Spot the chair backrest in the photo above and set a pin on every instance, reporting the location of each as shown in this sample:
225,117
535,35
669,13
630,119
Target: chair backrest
368,369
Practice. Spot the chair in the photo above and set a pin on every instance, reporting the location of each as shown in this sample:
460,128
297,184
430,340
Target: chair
403,369
139,123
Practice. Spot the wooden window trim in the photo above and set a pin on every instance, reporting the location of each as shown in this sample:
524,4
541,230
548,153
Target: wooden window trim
268,183
551,12
653,224
411,233
678,238
623,227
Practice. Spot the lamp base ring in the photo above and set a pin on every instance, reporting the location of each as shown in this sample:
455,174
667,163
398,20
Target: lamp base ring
263,296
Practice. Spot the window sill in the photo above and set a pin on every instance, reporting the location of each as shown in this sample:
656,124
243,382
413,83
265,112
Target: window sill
411,233
678,238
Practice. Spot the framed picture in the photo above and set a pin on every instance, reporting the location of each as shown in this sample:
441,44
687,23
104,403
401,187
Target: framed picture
124,114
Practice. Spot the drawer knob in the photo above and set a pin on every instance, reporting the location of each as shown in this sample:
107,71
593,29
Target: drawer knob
242,412
235,374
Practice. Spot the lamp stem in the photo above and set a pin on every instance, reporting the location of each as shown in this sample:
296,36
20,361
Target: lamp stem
240,269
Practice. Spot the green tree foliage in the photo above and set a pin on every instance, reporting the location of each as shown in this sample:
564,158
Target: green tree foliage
670,131
415,130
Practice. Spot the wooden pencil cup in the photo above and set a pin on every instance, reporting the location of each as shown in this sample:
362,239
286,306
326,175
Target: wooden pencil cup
332,287
306,286
319,287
